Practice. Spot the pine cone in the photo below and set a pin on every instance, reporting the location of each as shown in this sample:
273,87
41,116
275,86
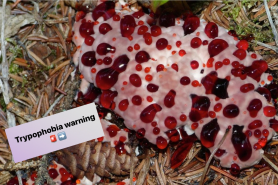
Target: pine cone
4,177
92,157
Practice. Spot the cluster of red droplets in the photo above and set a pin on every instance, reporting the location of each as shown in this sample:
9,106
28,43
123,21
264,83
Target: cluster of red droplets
55,170
125,89
120,143
66,178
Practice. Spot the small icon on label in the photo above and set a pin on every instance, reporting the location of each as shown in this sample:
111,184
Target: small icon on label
62,136
53,138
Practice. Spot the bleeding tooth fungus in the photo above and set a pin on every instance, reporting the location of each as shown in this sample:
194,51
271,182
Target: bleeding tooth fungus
164,76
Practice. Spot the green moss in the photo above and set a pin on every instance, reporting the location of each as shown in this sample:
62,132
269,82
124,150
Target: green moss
14,101
50,67
14,68
53,52
15,83
234,12
16,51
43,27
231,10
24,82
265,35
2,103
249,3
12,41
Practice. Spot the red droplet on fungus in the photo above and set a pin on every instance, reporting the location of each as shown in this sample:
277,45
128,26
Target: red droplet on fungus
196,42
191,24
211,30
240,53
216,46
112,130
105,9
104,28
235,169
194,64
138,14
155,31
79,15
269,111
243,44
148,114
123,105
127,25
161,142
